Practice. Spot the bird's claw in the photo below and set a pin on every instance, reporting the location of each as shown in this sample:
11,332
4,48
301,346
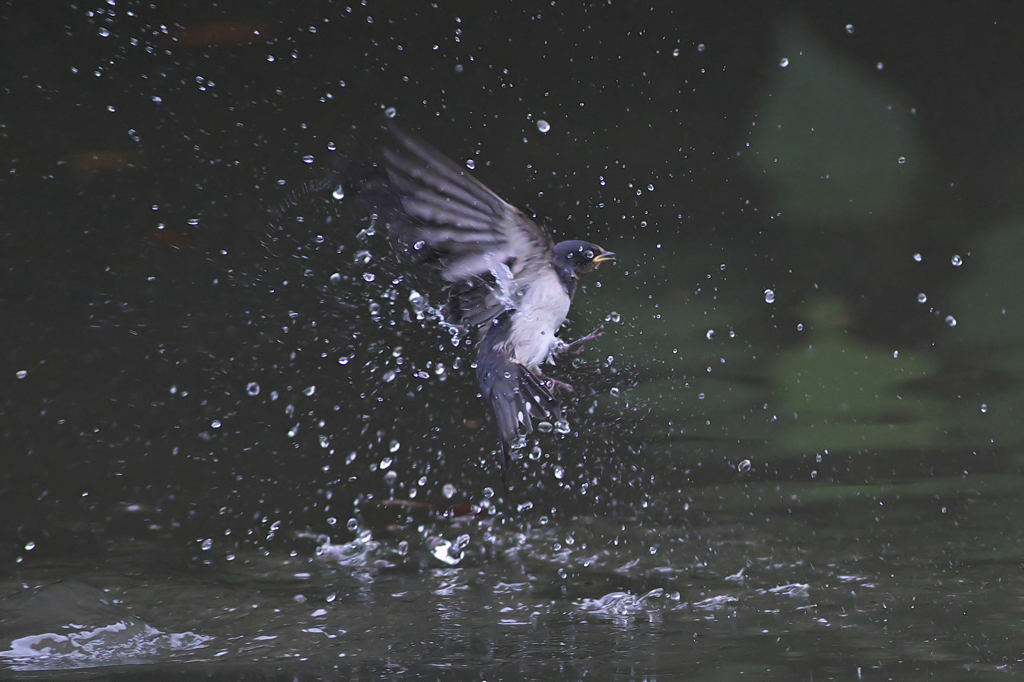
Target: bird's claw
556,385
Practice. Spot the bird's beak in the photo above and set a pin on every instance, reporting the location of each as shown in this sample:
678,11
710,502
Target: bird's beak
603,257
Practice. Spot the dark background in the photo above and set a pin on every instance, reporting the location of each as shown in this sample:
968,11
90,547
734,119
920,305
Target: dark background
165,250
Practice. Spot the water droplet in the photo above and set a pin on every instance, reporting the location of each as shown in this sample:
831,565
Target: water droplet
104,33
325,442
22,373
711,334
769,296
543,125
879,66
339,193
559,472
470,164
30,545
215,424
207,544
784,62
613,317
525,506
344,360
308,158
700,48
309,390
896,354
252,388
562,427
917,257
336,278
675,52
394,446
385,463
615,392
849,28
369,276
921,298
984,407
957,261
950,320
902,159
390,112
448,490
352,524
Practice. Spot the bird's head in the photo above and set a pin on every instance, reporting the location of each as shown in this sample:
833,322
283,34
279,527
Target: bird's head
579,257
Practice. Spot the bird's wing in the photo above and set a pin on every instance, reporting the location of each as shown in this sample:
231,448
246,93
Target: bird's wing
483,244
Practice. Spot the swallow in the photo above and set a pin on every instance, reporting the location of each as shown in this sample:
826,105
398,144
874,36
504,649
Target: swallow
506,276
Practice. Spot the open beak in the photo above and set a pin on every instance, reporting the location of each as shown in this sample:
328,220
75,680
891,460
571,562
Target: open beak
603,257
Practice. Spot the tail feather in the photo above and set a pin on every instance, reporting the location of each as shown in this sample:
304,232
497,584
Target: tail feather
517,395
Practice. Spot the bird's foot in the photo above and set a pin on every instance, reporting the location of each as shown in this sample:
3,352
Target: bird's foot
578,344
556,385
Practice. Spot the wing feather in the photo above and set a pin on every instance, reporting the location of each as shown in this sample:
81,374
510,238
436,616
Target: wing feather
468,227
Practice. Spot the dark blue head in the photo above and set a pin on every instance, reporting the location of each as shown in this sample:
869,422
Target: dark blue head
576,258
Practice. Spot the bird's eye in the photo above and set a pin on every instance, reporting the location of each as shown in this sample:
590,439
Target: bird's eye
589,254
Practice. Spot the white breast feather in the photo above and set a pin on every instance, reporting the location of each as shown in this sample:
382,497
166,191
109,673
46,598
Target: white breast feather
533,339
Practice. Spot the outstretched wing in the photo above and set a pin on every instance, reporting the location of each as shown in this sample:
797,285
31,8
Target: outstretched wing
485,246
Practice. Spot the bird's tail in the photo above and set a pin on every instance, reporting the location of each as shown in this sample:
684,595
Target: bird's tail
517,396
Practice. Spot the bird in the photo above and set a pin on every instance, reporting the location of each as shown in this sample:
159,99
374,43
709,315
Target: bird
506,276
